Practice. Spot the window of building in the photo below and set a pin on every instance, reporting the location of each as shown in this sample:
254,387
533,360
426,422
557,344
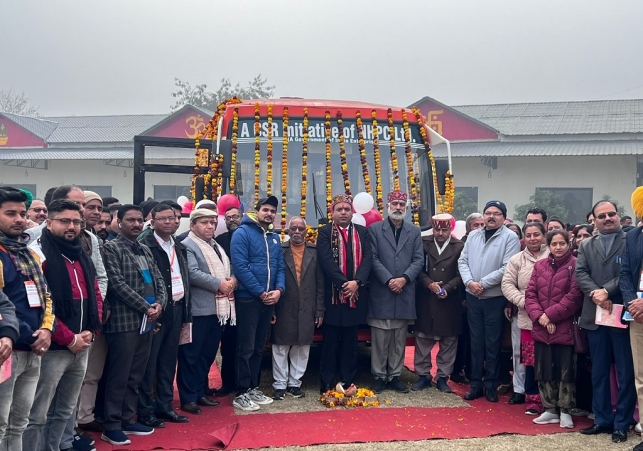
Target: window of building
470,191
578,202
30,188
102,191
170,192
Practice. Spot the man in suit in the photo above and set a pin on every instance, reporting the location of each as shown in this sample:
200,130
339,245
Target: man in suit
397,261
597,274
439,305
297,313
345,255
631,285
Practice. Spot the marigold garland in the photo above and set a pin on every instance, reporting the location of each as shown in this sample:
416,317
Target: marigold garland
257,151
362,152
329,179
284,170
363,398
411,179
378,165
342,153
394,164
304,166
311,234
216,175
269,154
233,157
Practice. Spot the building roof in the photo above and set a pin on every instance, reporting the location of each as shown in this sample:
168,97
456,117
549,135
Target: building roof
93,153
560,118
40,127
97,129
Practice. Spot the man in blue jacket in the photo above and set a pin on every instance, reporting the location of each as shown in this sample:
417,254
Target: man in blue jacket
258,265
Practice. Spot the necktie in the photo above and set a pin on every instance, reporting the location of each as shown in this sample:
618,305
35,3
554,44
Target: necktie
345,233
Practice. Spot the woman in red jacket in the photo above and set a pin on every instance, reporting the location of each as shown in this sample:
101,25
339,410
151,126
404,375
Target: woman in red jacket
551,300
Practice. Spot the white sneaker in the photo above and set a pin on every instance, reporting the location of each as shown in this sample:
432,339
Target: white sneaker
566,421
637,428
243,402
547,418
257,397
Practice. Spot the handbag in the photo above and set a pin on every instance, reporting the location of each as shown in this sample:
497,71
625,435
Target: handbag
581,343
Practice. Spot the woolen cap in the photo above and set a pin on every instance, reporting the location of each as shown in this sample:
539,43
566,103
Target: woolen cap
90,195
499,205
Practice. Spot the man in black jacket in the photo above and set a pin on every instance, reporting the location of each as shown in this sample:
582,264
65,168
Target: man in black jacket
171,259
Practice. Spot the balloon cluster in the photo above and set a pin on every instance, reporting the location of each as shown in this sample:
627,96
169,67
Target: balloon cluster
365,214
226,201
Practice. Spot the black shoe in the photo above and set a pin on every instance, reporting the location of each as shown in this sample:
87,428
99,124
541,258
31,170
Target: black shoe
295,392
398,386
324,388
472,394
223,391
459,378
491,395
210,391
422,383
638,447
619,436
378,386
172,417
517,398
191,407
443,386
207,402
151,421
279,394
596,429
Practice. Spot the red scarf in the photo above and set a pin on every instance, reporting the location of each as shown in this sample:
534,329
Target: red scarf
338,243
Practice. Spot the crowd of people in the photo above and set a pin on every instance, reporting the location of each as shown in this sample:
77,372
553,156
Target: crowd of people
101,298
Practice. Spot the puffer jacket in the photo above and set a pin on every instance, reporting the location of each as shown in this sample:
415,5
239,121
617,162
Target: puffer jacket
516,279
257,259
553,291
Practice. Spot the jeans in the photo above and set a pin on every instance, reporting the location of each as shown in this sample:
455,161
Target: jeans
253,325
56,398
17,394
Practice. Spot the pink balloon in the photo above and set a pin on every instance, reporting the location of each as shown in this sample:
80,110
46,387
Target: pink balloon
372,217
187,208
226,201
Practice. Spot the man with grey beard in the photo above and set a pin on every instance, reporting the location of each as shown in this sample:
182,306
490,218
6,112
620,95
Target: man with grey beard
397,260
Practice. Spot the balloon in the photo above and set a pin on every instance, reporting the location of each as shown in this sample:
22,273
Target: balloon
187,208
362,203
182,200
359,219
372,217
221,226
460,229
226,201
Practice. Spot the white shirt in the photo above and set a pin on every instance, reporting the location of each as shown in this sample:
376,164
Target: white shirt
175,268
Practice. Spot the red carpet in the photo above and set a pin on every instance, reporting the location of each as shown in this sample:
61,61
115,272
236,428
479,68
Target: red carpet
218,427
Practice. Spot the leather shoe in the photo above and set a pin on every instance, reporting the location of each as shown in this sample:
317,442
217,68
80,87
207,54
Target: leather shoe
151,421
207,402
517,398
459,378
172,417
210,391
324,388
619,436
491,395
422,383
638,447
398,386
191,407
378,386
596,429
472,394
223,391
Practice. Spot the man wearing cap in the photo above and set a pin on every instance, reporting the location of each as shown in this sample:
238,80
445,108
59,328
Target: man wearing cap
258,265
397,261
345,255
482,265
439,304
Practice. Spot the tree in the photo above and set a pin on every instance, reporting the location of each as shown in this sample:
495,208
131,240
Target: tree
17,103
545,199
257,88
619,208
463,206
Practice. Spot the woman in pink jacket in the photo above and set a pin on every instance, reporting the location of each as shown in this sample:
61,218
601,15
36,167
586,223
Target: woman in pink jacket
551,300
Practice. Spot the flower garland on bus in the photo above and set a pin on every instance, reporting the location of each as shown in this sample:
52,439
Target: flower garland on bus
411,179
257,151
362,152
284,168
329,178
394,164
378,166
342,153
269,154
233,157
304,166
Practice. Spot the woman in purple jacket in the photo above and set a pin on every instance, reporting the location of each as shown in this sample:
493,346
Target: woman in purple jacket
551,300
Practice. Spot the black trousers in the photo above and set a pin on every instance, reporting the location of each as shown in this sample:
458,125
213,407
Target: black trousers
161,366
344,337
463,354
486,319
253,326
128,355
229,356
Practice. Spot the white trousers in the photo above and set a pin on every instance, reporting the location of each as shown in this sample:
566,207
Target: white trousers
520,372
289,365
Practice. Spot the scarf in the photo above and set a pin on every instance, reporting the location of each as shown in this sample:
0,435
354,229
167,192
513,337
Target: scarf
607,239
26,263
219,266
444,246
55,250
340,254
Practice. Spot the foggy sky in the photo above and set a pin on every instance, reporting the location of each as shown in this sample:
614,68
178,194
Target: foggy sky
121,56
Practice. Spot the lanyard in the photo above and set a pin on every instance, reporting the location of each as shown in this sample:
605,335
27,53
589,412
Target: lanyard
172,256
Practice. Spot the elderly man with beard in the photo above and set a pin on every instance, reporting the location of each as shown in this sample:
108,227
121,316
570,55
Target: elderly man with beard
298,312
37,211
397,261
78,305
482,265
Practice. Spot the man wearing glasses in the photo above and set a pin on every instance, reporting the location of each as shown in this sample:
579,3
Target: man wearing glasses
37,211
482,265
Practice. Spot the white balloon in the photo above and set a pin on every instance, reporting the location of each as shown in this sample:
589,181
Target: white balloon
182,200
221,226
363,203
460,229
359,219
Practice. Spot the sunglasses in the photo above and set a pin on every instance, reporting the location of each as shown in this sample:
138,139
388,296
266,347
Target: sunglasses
602,216
298,228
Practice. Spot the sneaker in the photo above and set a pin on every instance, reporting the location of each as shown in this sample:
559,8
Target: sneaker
398,386
82,444
258,397
577,412
547,418
531,412
295,392
116,437
378,386
566,421
637,428
137,429
280,394
243,402
85,436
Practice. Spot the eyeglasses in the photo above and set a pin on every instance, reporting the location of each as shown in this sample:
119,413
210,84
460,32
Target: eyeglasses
39,210
297,228
602,216
165,219
491,213
67,221
232,217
